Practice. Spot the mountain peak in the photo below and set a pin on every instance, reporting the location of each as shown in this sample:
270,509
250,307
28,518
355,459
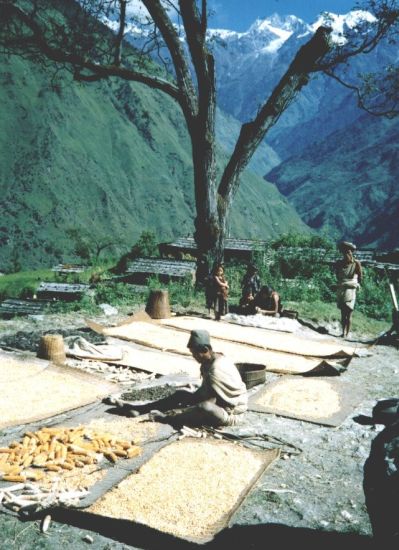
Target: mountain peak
343,22
277,29
276,23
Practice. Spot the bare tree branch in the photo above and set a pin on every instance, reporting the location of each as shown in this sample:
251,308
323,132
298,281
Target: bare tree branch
85,69
121,32
169,34
389,113
252,133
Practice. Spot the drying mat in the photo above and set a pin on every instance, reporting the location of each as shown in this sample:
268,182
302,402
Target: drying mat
281,324
163,338
80,348
45,390
134,356
322,401
156,361
190,489
99,478
263,338
16,370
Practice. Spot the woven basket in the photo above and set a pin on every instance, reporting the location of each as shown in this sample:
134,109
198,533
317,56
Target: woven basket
51,347
158,304
252,374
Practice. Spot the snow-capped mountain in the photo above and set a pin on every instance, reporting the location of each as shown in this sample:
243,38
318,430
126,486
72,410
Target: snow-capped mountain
250,64
244,59
323,143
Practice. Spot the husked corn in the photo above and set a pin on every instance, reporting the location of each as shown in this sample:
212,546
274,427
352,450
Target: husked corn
13,477
61,450
133,451
110,456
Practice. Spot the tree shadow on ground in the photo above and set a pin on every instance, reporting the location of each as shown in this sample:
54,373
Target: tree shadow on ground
250,537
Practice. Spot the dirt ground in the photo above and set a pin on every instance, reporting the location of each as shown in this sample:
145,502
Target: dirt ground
314,498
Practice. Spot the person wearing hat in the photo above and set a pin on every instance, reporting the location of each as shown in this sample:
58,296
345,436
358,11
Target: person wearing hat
349,276
381,473
219,401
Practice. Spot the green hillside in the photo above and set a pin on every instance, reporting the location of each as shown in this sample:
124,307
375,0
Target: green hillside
111,158
347,185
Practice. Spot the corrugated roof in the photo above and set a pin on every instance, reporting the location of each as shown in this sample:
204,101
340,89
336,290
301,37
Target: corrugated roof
175,268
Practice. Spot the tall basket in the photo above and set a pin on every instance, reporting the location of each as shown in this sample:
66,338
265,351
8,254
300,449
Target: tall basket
51,347
158,304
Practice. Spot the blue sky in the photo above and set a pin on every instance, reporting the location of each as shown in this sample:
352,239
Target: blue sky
238,15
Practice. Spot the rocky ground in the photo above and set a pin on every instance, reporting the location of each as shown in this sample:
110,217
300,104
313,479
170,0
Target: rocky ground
311,498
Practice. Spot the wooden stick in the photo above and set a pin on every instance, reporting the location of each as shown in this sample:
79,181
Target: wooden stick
393,296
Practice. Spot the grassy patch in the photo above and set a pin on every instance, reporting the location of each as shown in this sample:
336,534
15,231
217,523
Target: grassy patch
23,284
323,312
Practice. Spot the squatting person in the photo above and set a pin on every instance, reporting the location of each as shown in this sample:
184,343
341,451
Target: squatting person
219,401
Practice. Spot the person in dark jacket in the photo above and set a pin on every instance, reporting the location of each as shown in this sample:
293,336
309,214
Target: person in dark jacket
246,305
250,283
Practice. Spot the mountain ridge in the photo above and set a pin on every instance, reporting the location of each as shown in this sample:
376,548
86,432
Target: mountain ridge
111,158
360,196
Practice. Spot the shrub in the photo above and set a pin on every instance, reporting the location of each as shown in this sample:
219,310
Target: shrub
296,240
118,293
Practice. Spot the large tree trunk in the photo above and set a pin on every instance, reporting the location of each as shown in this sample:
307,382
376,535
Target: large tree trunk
210,220
209,224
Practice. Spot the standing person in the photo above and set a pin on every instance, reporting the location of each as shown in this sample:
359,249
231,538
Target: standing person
205,282
250,283
268,302
349,276
219,401
221,292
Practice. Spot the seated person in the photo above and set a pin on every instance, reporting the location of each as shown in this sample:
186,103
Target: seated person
246,305
268,302
251,281
219,401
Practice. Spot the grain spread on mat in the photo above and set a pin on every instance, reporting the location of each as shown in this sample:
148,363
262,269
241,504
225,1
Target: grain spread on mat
316,398
186,489
45,391
124,428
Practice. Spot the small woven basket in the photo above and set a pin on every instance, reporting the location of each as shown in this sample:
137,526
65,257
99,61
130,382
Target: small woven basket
51,347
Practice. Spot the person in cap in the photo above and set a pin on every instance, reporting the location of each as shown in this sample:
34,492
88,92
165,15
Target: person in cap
381,473
349,276
219,401
268,302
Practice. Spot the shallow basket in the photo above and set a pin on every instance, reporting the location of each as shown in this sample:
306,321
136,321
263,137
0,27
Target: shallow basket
289,313
252,373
